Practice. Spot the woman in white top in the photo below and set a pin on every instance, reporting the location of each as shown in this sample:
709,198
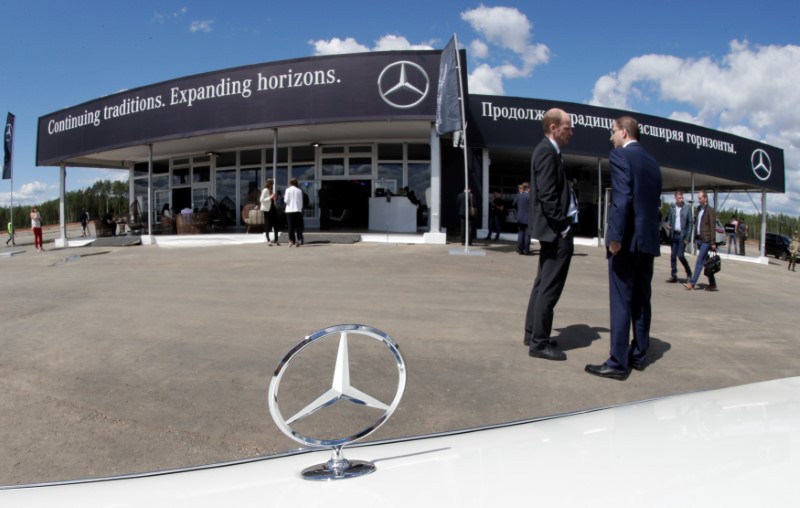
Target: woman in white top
36,227
269,210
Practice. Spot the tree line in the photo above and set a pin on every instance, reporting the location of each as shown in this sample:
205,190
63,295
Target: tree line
104,196
776,222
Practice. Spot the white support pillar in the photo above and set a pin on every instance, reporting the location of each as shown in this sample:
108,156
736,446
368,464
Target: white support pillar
485,197
763,235
62,219
435,234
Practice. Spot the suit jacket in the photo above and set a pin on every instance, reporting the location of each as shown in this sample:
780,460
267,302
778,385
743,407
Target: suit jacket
523,203
708,225
635,200
549,199
687,222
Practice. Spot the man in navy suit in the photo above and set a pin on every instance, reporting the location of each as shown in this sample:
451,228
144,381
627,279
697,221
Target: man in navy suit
552,207
632,242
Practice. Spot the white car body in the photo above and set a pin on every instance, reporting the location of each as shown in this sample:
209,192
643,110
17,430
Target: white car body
736,446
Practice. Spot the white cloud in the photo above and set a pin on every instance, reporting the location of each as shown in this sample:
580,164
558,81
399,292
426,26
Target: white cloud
337,46
510,30
751,92
161,17
485,80
201,26
478,49
505,28
28,194
389,42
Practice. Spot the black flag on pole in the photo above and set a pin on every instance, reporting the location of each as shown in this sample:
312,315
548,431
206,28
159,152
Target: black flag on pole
448,109
9,146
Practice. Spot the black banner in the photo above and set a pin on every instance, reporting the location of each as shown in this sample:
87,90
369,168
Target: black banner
515,123
364,86
8,149
448,107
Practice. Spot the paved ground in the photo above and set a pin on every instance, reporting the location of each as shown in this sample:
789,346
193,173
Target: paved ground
125,359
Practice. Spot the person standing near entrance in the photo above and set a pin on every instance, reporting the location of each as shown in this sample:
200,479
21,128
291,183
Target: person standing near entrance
270,211
730,229
497,211
324,203
294,213
549,222
632,243
706,220
522,202
679,222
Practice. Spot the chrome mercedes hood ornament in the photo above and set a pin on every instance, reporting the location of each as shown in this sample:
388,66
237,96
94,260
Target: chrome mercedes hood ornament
340,391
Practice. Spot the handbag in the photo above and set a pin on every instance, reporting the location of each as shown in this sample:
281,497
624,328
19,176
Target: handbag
712,264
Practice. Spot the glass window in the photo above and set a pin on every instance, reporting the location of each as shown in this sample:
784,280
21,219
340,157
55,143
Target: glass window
201,174
202,158
282,178
160,167
160,198
361,149
303,172
332,149
249,186
226,185
180,162
333,167
309,188
419,179
199,197
283,155
302,154
140,195
389,171
392,151
180,177
226,159
250,157
419,152
140,169
161,182
360,166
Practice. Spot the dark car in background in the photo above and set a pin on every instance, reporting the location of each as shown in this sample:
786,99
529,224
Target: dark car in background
777,245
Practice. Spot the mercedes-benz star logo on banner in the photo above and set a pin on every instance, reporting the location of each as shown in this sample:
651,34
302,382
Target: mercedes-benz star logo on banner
761,164
342,391
403,84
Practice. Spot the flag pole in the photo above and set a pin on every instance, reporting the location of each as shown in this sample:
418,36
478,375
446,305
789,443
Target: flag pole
463,142
8,173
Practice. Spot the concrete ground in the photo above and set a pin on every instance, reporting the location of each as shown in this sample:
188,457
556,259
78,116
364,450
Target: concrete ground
118,360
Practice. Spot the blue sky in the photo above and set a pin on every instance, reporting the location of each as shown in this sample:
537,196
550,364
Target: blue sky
730,65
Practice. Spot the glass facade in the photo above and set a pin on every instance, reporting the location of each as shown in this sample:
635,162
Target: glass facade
235,178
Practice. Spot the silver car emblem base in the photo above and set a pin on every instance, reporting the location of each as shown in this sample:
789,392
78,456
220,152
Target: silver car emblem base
338,468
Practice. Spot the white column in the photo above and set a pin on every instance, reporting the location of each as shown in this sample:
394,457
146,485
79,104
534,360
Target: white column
434,234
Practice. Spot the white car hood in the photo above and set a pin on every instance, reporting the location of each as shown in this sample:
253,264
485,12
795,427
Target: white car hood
736,446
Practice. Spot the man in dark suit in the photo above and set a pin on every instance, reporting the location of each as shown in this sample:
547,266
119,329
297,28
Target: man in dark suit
549,220
632,242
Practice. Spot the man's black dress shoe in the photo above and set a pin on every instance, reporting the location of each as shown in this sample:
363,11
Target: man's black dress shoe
606,371
547,352
637,365
672,280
